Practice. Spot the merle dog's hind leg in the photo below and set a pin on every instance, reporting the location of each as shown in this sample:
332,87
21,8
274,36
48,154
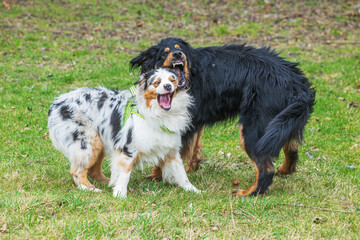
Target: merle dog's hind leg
95,171
264,169
85,154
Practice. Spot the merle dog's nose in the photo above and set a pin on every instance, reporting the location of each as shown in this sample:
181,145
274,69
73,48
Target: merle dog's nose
177,55
167,87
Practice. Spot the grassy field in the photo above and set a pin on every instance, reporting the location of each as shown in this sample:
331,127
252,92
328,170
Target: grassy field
49,47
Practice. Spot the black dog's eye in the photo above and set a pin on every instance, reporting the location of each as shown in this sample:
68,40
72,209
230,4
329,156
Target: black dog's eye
164,56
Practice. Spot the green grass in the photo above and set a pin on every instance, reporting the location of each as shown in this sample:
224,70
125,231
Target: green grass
49,47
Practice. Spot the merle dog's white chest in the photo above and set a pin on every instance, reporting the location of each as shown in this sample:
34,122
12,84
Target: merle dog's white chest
152,140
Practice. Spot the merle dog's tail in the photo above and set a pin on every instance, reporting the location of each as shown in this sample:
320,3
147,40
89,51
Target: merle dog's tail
287,125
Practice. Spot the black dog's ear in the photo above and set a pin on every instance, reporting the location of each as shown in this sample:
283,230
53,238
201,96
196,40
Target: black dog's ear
145,60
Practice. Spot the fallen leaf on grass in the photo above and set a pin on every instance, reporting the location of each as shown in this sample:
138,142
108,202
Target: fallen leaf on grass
202,215
28,163
350,103
351,166
318,220
309,154
353,104
6,4
4,228
314,148
236,183
348,205
356,146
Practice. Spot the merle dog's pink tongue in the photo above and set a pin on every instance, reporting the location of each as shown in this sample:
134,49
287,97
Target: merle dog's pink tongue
164,101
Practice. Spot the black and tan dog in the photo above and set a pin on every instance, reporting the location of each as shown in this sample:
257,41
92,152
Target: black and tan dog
271,95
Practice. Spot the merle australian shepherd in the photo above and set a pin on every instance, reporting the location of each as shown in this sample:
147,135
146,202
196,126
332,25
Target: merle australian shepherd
86,123
271,96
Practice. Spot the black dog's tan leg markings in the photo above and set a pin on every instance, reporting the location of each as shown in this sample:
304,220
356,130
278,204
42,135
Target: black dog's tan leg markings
156,174
291,157
242,140
253,187
264,171
193,153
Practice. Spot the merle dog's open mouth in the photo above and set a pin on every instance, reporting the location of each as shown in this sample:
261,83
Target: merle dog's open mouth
164,100
178,68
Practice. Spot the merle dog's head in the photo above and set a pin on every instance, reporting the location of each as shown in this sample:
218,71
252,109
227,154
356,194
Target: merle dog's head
169,53
158,86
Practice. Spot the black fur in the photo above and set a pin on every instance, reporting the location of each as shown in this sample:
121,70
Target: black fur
83,144
115,122
87,97
102,100
128,142
271,96
65,112
75,135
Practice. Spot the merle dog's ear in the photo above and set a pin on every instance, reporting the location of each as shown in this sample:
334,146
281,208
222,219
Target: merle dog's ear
144,77
145,60
141,80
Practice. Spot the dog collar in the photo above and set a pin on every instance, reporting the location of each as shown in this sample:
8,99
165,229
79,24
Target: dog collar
132,109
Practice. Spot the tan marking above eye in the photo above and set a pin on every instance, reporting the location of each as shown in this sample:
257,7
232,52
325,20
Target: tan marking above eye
167,50
157,82
177,46
171,79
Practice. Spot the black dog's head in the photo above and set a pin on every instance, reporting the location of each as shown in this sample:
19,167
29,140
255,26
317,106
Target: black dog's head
169,53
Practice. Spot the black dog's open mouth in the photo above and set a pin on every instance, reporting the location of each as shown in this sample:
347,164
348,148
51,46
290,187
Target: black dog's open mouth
178,68
164,100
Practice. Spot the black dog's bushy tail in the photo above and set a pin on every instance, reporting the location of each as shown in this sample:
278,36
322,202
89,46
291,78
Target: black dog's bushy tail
288,124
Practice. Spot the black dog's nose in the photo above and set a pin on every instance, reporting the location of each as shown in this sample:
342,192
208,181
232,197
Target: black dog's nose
177,55
167,87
